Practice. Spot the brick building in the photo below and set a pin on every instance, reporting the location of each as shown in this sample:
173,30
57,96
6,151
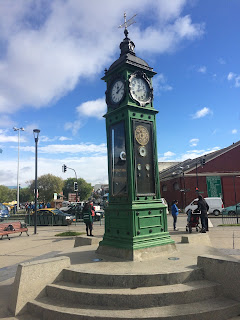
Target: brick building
216,174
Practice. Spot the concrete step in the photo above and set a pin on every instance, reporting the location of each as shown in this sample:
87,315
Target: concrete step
141,297
132,280
212,309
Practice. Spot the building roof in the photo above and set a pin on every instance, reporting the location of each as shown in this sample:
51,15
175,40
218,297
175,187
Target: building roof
189,164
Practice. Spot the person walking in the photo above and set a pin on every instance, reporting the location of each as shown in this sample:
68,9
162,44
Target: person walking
87,218
175,212
203,208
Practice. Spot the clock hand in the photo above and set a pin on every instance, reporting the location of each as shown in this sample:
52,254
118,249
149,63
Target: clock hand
119,89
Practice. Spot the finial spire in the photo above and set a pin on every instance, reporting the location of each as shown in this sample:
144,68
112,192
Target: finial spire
127,23
127,46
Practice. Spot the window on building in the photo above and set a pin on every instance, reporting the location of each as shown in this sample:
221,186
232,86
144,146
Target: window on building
175,186
164,187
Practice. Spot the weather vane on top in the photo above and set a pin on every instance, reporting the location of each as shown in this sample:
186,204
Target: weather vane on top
127,23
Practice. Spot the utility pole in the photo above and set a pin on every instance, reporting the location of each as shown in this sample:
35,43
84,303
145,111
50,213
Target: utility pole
18,130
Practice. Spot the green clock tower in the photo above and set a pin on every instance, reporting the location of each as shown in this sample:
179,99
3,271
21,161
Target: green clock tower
135,219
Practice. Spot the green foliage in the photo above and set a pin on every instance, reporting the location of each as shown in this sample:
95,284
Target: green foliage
48,184
26,194
84,188
7,195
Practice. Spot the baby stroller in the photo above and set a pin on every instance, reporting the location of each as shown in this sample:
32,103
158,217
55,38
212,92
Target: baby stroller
192,220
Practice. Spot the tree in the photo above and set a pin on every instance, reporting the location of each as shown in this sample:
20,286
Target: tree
48,184
6,194
84,188
25,195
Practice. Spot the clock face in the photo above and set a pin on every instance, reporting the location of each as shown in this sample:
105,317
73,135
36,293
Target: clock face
142,135
117,91
140,89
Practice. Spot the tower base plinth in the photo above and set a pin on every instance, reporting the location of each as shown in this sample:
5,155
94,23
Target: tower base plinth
137,254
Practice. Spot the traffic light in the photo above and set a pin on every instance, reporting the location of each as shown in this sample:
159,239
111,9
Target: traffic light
64,168
196,189
203,161
75,187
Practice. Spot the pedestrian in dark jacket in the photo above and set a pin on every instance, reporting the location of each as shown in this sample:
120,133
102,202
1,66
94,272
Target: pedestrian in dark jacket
87,218
203,208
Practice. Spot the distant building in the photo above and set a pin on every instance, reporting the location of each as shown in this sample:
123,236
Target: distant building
165,165
216,174
101,188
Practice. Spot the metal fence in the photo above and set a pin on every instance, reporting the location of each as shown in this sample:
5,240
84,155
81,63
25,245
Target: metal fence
232,216
47,220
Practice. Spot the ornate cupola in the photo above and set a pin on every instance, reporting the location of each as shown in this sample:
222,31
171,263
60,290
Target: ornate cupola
127,46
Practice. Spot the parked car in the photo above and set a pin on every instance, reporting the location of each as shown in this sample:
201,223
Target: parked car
215,205
232,210
4,212
74,210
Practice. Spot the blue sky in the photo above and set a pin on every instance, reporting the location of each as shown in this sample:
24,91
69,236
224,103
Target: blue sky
53,55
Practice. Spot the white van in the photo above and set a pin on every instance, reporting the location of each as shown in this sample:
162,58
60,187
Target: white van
215,205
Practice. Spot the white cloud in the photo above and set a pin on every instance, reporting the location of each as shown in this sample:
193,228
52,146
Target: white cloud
96,108
5,137
166,156
160,83
221,61
73,126
169,154
84,168
49,46
201,113
202,69
235,77
194,142
192,154
64,138
167,39
46,139
70,148
234,131
230,76
6,122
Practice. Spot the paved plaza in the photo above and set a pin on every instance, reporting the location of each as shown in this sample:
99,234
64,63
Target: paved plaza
43,245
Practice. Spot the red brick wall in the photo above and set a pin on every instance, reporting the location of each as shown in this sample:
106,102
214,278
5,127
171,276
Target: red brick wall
231,190
190,183
228,162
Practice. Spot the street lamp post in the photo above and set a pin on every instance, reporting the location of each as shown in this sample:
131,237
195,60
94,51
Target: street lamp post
201,161
35,134
197,175
182,170
18,130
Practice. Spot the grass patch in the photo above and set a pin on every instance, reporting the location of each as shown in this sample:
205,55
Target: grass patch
229,225
69,234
